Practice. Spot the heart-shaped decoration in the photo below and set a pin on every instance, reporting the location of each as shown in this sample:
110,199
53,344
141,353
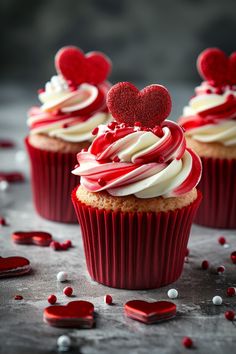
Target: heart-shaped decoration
39,238
216,67
128,105
150,312
77,67
76,314
12,266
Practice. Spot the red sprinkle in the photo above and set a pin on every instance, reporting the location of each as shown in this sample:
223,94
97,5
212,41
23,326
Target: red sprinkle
64,246
3,221
95,131
68,243
101,182
229,315
18,297
205,265
220,269
233,257
52,299
230,97
158,131
41,90
108,299
187,342
65,125
109,137
116,159
112,125
208,91
55,245
230,292
160,159
219,91
6,143
222,240
68,291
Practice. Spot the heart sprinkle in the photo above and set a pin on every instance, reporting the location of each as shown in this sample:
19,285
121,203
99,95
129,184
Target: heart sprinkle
149,107
14,266
76,314
150,312
39,238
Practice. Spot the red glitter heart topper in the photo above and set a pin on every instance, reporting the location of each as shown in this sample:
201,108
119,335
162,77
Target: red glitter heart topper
128,105
216,67
77,67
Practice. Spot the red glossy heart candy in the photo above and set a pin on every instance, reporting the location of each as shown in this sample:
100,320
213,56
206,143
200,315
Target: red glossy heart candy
13,266
128,105
150,312
39,238
77,67
76,314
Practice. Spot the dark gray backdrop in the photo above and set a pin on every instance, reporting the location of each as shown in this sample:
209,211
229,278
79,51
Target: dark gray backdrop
148,40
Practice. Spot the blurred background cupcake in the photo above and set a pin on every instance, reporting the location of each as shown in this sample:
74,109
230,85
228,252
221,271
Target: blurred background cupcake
137,197
73,103
210,124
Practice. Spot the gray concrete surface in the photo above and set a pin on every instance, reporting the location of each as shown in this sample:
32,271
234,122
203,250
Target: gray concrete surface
22,329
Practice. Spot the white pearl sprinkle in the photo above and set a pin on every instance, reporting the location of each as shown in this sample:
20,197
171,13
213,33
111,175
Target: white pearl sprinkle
62,276
217,300
64,342
4,185
172,293
20,156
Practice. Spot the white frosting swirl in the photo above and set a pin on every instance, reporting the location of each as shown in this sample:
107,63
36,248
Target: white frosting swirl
204,118
69,115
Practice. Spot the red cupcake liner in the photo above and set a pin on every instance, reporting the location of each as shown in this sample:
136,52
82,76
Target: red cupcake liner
218,186
135,250
52,183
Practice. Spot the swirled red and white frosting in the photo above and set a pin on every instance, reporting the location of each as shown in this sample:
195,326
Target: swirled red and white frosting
139,161
69,112
211,115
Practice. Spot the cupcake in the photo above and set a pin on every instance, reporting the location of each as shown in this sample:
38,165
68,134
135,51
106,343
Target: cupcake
209,121
73,103
137,197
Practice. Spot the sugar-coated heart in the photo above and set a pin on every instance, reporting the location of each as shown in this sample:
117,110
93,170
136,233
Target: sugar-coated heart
39,238
150,312
76,314
77,67
13,266
129,105
11,177
214,66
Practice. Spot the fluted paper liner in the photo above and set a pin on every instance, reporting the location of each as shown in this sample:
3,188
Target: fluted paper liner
52,183
135,250
218,186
